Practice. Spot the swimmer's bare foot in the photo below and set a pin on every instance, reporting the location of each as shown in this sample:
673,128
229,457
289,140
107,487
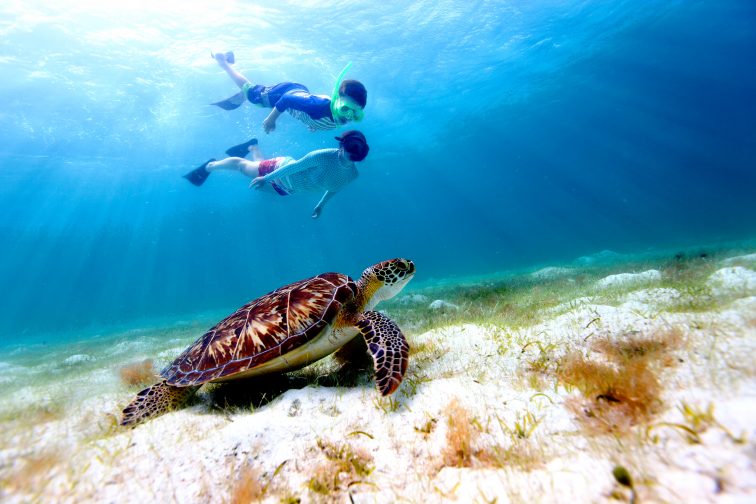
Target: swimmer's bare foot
254,151
243,149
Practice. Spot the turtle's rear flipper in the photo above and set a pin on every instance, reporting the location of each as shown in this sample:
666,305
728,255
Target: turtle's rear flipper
155,400
388,347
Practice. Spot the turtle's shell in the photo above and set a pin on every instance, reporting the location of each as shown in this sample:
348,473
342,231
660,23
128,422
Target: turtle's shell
263,329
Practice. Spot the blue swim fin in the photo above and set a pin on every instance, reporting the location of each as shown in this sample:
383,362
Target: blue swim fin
228,56
199,174
232,102
241,150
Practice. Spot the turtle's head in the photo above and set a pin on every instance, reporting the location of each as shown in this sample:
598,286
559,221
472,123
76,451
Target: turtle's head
384,280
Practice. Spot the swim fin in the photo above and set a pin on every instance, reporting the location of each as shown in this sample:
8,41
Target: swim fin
228,56
232,102
200,174
241,150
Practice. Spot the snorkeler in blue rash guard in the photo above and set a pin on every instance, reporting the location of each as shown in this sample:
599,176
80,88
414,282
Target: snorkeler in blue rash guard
318,112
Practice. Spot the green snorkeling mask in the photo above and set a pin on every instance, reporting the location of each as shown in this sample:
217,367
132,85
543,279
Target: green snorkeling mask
346,108
343,108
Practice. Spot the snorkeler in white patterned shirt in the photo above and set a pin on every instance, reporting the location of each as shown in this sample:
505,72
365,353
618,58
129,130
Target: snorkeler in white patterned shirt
324,170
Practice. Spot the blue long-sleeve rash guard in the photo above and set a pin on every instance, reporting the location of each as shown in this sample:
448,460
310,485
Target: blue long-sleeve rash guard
317,107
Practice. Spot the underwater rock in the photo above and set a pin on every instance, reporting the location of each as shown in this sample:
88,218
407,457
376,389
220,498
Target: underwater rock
628,279
76,359
440,304
550,272
412,299
732,261
736,280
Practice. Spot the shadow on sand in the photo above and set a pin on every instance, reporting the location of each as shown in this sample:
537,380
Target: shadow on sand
254,393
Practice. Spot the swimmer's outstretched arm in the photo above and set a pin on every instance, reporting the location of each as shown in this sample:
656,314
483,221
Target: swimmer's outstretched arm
304,102
319,207
269,124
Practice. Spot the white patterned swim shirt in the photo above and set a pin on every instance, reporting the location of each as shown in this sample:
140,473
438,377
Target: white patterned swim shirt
320,170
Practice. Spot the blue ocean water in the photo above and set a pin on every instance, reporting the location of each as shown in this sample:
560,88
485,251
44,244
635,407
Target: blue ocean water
502,134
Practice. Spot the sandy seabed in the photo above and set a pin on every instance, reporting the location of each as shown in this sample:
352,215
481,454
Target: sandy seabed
638,400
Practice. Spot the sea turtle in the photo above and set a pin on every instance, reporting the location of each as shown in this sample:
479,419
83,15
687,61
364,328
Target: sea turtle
285,330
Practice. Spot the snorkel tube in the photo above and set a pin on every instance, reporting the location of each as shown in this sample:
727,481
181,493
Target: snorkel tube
343,108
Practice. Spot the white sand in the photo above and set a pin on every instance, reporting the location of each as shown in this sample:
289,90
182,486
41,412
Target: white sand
197,455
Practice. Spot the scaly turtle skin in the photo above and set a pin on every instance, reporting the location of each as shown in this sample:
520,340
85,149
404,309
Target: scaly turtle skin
286,330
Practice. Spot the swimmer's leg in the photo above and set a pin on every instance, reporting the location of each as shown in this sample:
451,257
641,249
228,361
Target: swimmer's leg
235,75
243,149
234,101
249,168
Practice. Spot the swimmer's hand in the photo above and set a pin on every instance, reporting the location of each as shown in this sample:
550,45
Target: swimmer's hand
316,212
257,183
269,124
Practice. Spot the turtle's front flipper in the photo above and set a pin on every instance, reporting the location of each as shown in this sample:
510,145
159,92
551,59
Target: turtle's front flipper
155,400
389,349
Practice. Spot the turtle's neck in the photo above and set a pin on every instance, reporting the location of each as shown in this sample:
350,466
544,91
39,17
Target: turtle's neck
367,286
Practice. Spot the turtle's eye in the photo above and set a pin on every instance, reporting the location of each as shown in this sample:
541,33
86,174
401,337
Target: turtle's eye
402,266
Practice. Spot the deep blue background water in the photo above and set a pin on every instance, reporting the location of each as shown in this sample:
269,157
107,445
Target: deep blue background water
502,134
